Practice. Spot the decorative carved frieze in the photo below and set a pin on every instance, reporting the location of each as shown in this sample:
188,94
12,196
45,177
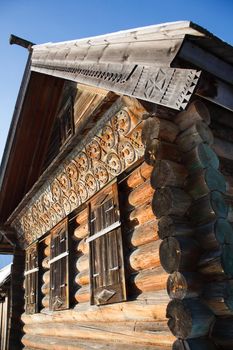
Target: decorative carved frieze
112,150
171,87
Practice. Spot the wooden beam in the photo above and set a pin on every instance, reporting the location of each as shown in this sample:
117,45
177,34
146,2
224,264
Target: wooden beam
206,61
216,91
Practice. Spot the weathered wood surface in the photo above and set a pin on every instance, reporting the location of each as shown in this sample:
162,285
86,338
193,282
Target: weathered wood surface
47,240
168,173
179,254
140,175
147,308
213,234
184,285
161,129
46,277
83,294
81,231
151,280
200,184
200,157
217,264
82,262
120,332
222,127
198,133
144,233
140,215
45,301
145,256
209,208
223,149
83,246
159,150
45,288
196,111
141,194
218,296
54,343
45,263
189,318
82,217
83,277
172,226
47,251
170,201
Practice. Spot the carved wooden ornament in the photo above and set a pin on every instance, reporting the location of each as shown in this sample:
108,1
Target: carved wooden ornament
112,150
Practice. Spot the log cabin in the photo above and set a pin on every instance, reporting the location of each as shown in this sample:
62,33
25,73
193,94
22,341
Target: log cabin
117,193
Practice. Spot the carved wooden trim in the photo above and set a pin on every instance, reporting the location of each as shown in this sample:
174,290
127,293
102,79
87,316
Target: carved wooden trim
112,150
171,87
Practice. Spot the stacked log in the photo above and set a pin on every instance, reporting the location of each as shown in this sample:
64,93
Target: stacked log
218,291
146,279
209,215
137,323
187,197
45,288
179,251
140,230
82,278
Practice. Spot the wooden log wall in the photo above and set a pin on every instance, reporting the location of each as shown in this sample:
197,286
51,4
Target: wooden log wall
82,277
140,322
197,234
218,291
45,288
140,234
179,251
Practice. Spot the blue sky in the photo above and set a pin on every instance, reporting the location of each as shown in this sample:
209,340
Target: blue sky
52,20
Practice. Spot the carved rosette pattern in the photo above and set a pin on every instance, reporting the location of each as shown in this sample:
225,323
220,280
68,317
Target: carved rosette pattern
110,152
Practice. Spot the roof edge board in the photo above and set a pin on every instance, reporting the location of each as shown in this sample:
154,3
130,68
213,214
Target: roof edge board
15,119
163,27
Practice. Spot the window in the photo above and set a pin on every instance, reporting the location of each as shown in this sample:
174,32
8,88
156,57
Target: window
31,279
66,122
59,293
106,254
62,131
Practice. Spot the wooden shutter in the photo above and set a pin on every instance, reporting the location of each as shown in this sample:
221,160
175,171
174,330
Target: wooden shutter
59,292
106,252
31,279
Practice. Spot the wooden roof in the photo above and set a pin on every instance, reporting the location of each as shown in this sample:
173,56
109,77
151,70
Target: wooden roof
141,63
135,62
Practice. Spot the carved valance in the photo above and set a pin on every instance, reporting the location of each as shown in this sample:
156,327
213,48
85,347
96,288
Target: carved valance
84,172
170,87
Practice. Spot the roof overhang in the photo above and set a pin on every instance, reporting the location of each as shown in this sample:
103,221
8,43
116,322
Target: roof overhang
136,63
28,138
